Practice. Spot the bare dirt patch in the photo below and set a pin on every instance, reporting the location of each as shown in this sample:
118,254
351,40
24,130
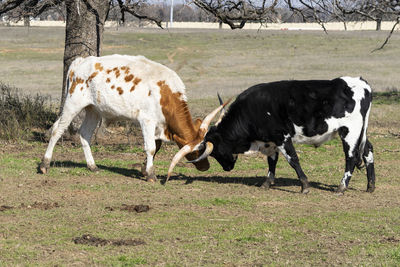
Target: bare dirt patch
47,183
131,208
5,207
90,240
35,205
390,239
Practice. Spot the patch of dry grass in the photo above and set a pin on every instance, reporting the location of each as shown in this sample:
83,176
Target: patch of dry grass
210,60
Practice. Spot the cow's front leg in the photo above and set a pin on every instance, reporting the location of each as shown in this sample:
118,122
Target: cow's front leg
272,161
290,154
144,166
148,129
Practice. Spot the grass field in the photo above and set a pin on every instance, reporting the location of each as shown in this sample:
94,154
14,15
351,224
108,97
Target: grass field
211,60
72,216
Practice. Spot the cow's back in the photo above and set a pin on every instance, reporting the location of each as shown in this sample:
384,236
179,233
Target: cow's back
121,86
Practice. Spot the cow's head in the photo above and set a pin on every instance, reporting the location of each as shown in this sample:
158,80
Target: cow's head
218,149
199,149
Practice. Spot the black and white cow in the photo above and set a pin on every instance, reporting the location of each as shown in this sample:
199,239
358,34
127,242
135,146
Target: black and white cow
269,117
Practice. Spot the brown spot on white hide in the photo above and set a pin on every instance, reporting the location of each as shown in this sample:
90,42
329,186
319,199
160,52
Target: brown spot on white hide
108,80
120,91
129,78
117,72
74,84
108,71
98,67
135,82
91,77
112,86
149,94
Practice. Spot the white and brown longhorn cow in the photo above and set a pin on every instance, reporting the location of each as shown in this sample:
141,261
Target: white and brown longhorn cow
133,88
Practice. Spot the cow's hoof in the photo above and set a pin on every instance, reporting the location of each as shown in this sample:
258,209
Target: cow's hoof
44,166
340,190
151,178
370,188
42,169
94,168
266,185
305,190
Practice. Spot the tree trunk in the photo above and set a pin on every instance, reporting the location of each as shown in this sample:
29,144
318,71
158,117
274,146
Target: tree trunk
378,24
83,32
27,21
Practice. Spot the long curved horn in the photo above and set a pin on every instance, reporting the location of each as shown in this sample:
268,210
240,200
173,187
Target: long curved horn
183,152
220,99
221,115
206,153
207,120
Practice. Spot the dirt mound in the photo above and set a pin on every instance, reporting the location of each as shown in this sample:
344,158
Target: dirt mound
40,205
131,208
90,240
5,207
35,205
48,183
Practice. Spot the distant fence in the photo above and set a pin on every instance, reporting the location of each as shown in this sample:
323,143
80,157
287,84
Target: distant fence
333,26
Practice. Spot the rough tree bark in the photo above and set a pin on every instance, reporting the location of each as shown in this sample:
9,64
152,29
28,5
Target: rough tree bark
83,32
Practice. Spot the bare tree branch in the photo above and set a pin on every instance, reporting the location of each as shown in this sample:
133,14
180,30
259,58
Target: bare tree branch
134,8
388,37
236,13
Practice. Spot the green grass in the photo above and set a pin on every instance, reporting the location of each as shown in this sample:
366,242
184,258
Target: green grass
210,218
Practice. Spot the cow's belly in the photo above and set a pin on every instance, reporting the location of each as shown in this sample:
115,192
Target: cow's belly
267,148
315,140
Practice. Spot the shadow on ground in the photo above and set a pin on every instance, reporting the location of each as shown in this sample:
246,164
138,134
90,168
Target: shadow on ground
280,182
132,173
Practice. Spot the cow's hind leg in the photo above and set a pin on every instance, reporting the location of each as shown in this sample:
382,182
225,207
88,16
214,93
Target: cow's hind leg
272,161
368,157
88,126
58,128
290,154
349,141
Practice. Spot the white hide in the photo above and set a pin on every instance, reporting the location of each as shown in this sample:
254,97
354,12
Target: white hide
135,105
267,149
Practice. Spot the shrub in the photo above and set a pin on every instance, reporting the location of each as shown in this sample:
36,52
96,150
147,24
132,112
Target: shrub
24,116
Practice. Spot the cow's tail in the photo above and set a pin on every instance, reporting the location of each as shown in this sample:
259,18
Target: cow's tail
361,147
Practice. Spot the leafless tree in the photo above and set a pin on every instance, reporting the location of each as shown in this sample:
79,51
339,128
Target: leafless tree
323,11
85,21
236,13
